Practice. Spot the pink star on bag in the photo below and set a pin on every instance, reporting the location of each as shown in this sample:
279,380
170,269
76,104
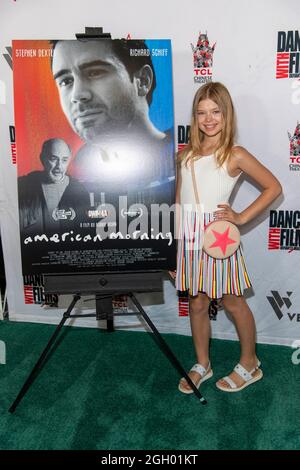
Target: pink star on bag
222,240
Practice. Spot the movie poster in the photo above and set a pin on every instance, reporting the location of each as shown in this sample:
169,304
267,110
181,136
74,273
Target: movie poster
95,141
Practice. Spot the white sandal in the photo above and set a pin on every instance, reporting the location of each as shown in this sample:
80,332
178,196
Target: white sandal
204,375
245,375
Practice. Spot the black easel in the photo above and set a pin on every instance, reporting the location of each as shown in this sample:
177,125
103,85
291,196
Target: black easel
93,33
104,287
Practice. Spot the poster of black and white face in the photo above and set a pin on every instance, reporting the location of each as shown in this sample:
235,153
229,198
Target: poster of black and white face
95,142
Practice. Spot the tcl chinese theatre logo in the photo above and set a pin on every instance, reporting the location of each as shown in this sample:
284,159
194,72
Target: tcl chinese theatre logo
203,59
284,230
295,149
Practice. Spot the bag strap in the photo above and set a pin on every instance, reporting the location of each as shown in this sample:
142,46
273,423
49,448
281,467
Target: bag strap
195,183
200,206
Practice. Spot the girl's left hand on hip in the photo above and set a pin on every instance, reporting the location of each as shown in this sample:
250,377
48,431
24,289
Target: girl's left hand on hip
226,213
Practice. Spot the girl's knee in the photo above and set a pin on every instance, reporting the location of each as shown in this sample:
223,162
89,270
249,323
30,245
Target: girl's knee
232,302
199,305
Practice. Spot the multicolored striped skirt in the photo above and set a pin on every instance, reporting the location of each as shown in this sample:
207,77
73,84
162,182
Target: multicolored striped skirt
199,272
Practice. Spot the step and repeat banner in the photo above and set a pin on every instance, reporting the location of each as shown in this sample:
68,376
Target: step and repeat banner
62,207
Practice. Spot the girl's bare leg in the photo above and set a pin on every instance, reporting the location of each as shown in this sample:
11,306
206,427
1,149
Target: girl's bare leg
244,322
200,326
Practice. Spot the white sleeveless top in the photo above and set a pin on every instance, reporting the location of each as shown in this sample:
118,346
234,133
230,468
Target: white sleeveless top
214,184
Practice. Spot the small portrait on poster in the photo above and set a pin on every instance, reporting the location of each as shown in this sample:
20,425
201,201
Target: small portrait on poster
50,200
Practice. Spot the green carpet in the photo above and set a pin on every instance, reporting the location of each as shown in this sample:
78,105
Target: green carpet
110,391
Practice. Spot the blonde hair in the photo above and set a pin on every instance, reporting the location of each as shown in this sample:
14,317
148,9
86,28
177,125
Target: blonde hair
218,93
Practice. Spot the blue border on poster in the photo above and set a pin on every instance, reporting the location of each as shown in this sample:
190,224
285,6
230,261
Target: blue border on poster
161,110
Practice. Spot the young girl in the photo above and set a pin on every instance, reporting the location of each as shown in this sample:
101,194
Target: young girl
218,162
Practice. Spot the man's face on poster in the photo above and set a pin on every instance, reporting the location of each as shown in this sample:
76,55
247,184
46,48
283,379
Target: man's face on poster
55,159
96,92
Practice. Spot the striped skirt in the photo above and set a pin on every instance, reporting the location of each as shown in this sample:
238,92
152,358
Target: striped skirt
199,272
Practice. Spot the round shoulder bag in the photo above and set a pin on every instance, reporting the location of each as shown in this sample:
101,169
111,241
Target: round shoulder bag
221,237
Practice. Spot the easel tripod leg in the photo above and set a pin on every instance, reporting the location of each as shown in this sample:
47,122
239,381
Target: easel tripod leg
37,366
167,350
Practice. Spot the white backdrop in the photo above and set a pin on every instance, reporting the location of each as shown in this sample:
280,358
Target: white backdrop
245,32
